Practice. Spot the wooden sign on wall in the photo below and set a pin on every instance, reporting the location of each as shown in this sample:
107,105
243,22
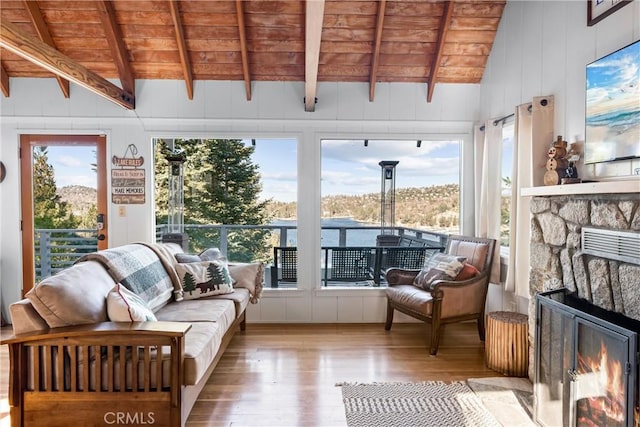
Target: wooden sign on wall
128,181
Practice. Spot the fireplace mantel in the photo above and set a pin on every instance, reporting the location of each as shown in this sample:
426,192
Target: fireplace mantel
602,187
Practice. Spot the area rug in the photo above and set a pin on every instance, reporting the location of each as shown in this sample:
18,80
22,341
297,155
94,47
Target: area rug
414,404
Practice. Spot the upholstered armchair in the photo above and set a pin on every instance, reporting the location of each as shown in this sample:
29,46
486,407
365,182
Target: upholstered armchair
448,300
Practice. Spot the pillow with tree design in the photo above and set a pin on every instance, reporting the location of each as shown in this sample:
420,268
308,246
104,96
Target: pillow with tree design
203,279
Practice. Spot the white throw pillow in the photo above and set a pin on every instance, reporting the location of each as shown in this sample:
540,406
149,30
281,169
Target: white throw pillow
125,306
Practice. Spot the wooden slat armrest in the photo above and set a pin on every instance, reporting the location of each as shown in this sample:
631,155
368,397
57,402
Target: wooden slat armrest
400,276
130,330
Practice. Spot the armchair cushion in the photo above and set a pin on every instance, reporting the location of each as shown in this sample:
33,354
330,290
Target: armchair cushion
439,267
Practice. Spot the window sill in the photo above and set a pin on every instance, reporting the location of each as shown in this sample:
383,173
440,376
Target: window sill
348,291
283,292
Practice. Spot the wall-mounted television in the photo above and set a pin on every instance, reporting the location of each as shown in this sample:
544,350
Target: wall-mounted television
613,106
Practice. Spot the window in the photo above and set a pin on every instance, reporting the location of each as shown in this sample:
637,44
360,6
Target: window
239,194
507,171
426,202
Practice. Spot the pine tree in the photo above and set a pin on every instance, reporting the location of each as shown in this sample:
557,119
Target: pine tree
189,283
50,212
215,275
222,186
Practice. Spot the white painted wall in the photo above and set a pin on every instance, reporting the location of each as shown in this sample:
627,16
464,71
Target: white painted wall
542,48
220,110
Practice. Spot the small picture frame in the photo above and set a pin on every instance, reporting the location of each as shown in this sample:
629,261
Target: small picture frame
597,10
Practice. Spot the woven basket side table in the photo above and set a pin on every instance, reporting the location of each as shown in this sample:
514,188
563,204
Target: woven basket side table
506,346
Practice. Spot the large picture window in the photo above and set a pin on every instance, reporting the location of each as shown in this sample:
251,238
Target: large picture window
239,195
426,203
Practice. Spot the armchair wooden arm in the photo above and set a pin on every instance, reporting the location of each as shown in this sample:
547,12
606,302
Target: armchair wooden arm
97,371
400,276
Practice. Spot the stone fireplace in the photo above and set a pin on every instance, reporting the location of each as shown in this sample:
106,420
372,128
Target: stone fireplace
558,259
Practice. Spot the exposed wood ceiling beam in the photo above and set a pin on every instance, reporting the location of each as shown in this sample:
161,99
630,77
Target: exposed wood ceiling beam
43,32
243,48
116,45
182,47
43,55
445,21
313,35
375,57
4,81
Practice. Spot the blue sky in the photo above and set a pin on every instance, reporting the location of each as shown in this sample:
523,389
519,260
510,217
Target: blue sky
614,81
72,165
348,167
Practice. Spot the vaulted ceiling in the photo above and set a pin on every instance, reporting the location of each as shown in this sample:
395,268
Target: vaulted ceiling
90,41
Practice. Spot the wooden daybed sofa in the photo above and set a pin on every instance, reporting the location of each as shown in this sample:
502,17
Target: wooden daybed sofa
69,363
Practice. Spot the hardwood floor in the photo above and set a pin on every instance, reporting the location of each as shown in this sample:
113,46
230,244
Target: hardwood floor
286,375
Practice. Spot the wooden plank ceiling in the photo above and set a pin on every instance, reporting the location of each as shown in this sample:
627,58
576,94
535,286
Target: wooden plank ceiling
89,41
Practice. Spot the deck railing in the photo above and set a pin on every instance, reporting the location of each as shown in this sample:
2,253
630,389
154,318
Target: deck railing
60,248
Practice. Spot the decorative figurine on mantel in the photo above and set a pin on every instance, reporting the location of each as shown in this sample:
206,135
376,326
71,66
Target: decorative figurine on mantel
571,174
556,163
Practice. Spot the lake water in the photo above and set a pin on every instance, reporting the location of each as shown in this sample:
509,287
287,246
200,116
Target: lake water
331,237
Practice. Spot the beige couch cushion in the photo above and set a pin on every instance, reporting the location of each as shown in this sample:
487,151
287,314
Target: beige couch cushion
202,342
74,296
240,297
200,310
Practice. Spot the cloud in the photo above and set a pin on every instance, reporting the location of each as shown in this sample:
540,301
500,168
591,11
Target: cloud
279,176
354,151
71,161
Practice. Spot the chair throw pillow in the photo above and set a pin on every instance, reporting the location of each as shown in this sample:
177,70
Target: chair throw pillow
125,306
468,271
204,278
439,267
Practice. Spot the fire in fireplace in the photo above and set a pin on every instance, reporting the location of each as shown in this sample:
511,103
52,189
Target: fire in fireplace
586,364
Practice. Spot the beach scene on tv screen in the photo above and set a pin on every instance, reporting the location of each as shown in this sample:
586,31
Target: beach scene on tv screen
613,106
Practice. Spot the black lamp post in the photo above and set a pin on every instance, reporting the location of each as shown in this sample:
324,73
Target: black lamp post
388,204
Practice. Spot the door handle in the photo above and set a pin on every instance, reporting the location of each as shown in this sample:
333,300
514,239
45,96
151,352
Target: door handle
101,237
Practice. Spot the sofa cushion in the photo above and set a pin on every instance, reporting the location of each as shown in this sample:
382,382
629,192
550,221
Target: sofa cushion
201,343
439,267
201,310
185,258
202,279
74,296
125,306
249,276
209,254
239,296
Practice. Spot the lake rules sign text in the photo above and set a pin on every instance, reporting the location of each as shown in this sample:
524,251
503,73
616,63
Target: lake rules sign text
127,186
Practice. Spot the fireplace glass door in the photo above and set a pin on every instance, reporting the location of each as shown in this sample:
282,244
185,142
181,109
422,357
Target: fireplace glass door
585,366
599,381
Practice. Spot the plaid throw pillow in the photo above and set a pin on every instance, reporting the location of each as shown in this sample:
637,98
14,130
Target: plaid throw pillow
439,267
